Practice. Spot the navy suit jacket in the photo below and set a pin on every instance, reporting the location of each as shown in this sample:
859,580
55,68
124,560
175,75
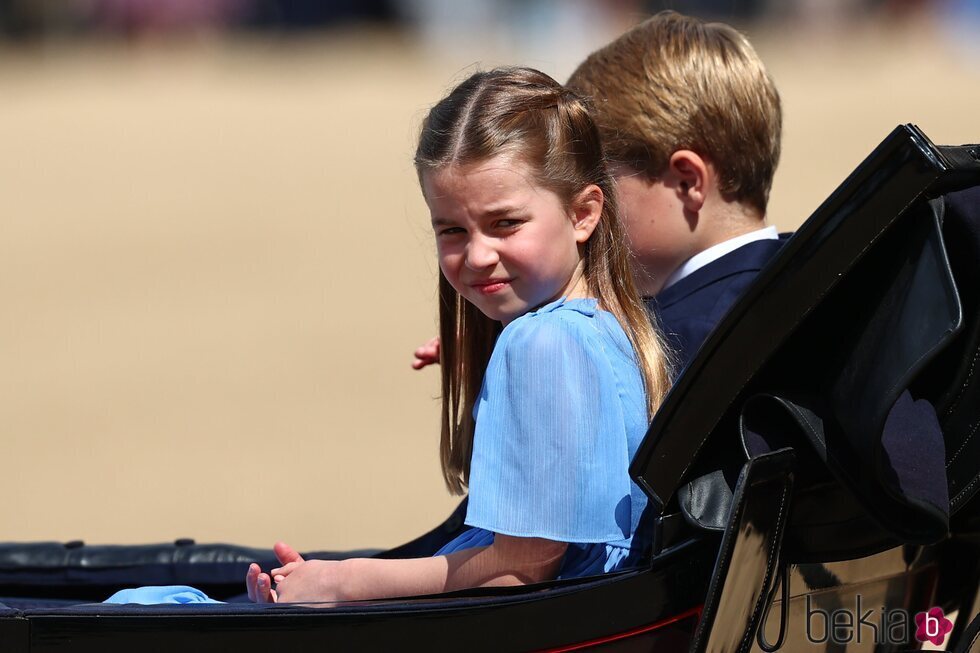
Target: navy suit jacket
689,309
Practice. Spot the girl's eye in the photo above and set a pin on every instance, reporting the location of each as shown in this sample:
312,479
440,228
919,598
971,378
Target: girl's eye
508,224
449,231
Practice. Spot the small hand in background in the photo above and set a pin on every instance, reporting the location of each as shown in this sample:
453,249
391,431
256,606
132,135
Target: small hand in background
427,354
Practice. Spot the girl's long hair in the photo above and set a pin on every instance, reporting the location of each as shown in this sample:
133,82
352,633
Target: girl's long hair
523,113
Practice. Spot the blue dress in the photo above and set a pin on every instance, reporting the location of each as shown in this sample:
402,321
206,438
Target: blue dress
560,416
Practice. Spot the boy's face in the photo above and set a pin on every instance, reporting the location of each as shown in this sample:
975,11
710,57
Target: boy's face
661,233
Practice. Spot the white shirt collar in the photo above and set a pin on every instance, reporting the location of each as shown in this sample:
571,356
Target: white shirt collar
715,252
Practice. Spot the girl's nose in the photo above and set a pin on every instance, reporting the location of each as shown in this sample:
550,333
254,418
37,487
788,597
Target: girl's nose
481,254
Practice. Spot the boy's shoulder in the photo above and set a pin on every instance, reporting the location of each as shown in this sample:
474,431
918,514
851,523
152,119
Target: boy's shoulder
688,310
738,266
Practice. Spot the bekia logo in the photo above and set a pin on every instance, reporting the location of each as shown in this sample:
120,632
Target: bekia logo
844,625
932,626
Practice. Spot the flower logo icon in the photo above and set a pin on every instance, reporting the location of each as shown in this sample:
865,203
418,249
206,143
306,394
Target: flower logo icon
932,626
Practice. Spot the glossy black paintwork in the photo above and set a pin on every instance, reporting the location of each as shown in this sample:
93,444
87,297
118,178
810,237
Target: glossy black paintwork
748,561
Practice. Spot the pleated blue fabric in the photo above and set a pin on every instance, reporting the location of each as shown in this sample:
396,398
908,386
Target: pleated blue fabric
560,415
158,594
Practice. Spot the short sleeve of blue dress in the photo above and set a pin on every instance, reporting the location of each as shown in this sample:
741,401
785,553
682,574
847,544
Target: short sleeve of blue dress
560,415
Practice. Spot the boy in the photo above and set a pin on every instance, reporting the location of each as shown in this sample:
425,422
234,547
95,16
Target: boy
691,123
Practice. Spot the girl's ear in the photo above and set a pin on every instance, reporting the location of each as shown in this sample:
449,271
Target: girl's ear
586,209
690,176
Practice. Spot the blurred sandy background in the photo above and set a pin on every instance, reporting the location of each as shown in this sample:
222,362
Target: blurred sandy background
215,262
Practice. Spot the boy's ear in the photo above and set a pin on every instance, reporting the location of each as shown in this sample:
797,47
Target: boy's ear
586,209
690,175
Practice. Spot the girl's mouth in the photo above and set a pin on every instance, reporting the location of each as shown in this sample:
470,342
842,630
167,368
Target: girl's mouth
490,287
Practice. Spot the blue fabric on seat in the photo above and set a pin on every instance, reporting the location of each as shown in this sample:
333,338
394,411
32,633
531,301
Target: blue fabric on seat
156,594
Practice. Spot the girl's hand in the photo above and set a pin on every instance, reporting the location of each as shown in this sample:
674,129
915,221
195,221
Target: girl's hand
288,559
259,584
427,354
311,581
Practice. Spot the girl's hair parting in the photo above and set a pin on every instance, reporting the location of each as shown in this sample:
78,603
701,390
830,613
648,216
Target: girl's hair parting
523,113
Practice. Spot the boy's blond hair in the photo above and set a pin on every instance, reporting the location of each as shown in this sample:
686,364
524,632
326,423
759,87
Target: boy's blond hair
675,83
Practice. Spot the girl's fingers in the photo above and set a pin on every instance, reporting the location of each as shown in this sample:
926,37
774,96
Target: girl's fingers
264,589
251,582
286,553
285,570
258,584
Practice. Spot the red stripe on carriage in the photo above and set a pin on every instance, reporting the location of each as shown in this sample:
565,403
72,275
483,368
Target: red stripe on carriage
693,612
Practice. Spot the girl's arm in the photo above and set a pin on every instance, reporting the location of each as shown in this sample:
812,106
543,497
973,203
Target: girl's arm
508,561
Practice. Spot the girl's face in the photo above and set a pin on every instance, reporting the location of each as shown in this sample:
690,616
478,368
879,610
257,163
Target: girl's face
505,243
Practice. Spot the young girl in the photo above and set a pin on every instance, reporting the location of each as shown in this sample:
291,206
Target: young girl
550,368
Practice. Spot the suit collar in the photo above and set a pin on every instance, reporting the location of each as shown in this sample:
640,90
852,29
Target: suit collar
747,258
